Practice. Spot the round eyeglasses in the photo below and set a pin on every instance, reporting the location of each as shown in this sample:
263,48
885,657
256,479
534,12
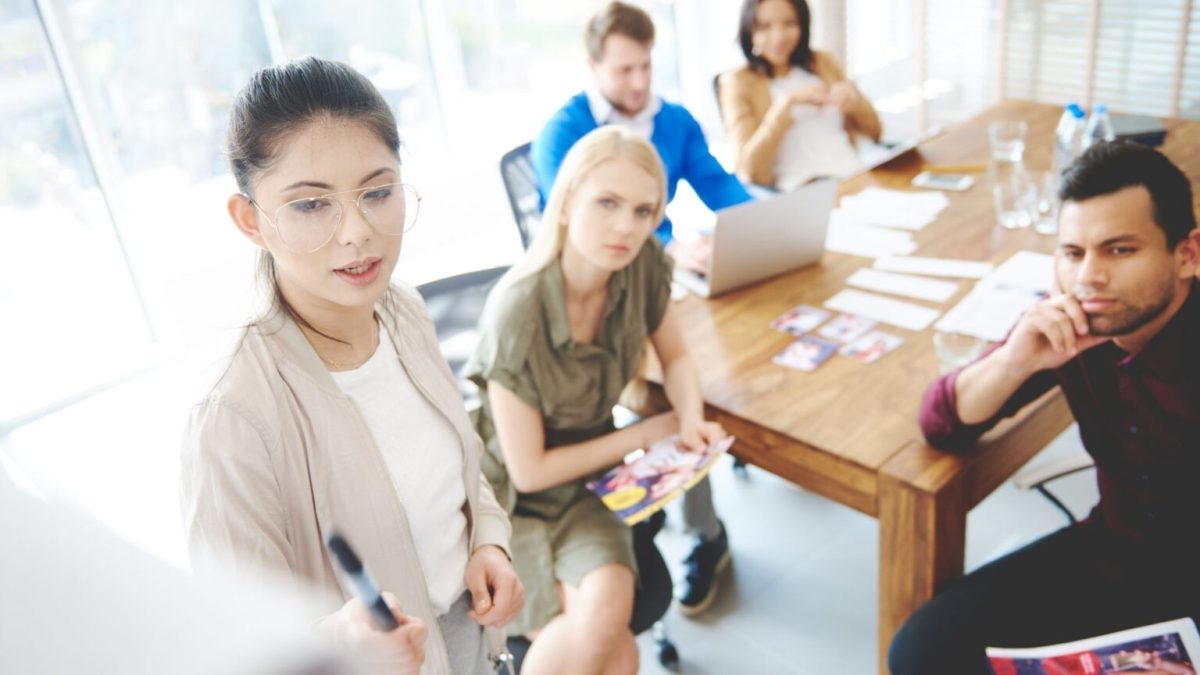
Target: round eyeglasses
305,225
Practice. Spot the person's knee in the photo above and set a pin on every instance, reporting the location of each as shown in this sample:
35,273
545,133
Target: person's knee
908,653
922,645
602,628
598,613
941,638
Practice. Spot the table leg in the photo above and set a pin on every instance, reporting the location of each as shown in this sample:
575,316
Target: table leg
922,534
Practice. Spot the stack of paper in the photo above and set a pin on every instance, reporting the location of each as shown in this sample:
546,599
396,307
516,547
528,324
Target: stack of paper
997,302
887,310
935,267
903,284
893,208
851,236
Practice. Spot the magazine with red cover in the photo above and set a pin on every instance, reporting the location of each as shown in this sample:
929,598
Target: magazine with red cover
1167,648
649,479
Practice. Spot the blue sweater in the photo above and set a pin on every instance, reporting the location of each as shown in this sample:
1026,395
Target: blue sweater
679,141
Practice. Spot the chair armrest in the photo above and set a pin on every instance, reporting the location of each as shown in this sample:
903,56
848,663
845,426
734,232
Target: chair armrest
1032,477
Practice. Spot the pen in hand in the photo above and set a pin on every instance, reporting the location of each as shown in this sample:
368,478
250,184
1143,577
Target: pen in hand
364,587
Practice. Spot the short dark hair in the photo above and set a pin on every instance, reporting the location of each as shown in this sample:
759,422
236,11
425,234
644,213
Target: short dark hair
1107,167
617,18
802,56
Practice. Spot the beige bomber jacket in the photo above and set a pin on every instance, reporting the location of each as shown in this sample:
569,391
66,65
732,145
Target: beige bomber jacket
275,457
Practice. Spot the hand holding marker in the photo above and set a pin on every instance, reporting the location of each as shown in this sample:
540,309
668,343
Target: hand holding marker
372,626
362,583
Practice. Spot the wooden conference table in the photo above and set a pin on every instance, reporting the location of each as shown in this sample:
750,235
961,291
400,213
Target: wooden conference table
848,431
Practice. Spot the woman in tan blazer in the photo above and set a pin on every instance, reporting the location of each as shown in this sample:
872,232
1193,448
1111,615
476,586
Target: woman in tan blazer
336,412
790,112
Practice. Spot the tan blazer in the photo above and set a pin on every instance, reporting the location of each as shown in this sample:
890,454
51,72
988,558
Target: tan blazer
276,457
756,129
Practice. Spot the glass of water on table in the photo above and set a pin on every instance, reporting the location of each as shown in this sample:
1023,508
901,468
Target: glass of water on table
1013,187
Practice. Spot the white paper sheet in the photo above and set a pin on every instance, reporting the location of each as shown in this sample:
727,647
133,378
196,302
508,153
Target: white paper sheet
895,312
988,312
893,208
842,228
935,267
869,214
847,235
1026,270
903,284
997,302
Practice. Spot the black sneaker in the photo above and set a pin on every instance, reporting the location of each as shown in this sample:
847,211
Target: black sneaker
704,564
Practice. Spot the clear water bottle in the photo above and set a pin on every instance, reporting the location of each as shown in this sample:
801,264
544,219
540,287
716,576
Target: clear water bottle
1068,137
1068,145
1099,127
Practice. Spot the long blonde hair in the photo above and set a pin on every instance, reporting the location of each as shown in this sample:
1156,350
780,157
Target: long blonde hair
599,146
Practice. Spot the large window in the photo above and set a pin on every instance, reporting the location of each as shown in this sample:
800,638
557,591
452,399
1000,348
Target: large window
157,80
71,315
1136,56
384,40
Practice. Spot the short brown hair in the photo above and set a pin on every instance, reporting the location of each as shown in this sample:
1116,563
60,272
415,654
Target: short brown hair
617,18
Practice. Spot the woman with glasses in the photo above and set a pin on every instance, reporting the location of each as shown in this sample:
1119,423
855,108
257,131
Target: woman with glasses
562,336
790,113
336,412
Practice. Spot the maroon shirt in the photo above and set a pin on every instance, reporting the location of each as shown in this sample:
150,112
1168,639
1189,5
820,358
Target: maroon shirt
1139,418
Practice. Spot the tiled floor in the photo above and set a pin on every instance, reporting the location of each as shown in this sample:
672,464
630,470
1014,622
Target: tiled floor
802,593
800,597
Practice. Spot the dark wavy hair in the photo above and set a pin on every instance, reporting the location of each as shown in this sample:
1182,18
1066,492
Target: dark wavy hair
802,56
1109,167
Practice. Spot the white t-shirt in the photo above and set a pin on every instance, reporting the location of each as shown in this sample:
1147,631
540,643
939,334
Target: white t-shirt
424,456
817,144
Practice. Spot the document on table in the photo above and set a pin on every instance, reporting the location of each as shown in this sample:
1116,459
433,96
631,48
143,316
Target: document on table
997,302
903,284
935,267
1024,269
988,312
872,306
850,237
894,208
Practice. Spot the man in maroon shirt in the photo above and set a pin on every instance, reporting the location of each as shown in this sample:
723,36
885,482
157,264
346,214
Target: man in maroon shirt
1121,336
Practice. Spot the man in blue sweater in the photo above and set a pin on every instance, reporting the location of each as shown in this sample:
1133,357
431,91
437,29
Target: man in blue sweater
619,40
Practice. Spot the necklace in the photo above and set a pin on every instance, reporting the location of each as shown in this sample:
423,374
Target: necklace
349,365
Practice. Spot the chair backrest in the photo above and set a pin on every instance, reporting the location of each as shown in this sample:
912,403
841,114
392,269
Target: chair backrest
520,182
455,305
717,95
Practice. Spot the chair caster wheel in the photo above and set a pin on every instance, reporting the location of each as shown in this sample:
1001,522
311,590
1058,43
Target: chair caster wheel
740,468
668,656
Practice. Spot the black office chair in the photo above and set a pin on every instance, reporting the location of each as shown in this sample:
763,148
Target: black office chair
455,305
520,182
1037,476
650,602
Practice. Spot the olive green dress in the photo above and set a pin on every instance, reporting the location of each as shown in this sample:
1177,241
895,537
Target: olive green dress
525,345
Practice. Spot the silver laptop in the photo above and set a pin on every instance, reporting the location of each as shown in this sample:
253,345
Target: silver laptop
760,239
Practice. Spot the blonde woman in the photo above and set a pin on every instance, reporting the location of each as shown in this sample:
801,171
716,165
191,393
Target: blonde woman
562,335
336,412
790,112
